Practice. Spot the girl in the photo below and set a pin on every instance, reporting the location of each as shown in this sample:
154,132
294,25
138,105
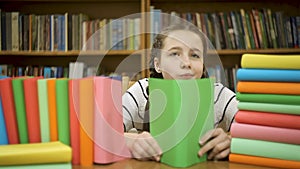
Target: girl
178,52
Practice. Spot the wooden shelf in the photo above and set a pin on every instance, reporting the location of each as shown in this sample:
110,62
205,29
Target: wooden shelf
261,51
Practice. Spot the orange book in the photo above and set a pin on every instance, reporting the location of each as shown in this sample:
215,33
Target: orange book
86,117
74,122
263,161
32,109
9,111
52,109
268,87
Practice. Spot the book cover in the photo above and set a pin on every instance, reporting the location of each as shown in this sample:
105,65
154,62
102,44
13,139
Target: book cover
268,119
43,109
292,88
9,110
3,133
266,133
52,109
265,149
35,153
32,109
263,161
177,122
74,121
270,107
268,98
270,61
271,75
63,114
86,118
109,142
19,99
40,166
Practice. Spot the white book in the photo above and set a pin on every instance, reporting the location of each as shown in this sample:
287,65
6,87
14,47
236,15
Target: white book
15,31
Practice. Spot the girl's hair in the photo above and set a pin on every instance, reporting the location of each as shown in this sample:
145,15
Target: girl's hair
158,44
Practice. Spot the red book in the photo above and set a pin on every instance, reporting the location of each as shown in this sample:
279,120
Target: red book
9,111
74,122
32,109
268,119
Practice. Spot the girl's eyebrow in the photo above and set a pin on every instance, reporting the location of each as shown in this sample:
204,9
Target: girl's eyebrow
196,49
175,48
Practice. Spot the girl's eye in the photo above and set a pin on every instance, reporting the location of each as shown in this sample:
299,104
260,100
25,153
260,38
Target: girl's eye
195,56
174,54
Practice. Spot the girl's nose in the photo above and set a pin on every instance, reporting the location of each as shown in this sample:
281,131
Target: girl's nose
185,63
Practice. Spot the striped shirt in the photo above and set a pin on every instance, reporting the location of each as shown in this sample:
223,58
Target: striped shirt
135,99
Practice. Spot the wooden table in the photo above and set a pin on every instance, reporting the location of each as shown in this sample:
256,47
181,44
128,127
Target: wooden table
135,164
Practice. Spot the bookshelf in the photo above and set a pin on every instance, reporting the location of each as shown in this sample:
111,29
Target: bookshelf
100,9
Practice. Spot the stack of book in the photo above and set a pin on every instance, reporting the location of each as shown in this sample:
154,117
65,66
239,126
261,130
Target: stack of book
83,113
266,131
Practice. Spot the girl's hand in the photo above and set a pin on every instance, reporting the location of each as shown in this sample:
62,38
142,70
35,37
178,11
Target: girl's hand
218,142
143,146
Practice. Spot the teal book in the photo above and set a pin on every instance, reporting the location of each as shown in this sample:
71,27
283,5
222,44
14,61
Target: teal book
62,107
18,92
43,109
3,132
181,112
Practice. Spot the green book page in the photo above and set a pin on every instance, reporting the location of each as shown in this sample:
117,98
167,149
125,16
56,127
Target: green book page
181,111
43,109
269,98
18,92
265,149
40,166
63,115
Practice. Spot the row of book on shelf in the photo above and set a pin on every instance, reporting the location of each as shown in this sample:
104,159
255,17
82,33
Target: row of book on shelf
238,29
66,32
266,130
43,118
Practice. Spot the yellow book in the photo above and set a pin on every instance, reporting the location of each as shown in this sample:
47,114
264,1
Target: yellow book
35,153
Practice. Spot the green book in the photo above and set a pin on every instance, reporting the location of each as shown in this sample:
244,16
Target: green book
265,149
62,106
18,92
270,107
181,112
43,109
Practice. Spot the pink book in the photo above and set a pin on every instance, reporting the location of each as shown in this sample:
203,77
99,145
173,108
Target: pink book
109,142
32,109
9,111
74,122
258,132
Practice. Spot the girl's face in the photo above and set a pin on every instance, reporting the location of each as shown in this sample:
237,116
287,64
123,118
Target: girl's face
181,56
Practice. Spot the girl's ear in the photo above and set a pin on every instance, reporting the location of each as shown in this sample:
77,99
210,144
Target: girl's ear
157,65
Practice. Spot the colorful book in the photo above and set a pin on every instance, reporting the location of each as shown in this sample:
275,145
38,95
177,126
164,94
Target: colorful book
43,109
263,161
74,122
268,98
35,153
40,166
270,107
86,118
108,122
32,109
9,110
271,75
268,119
267,133
3,133
268,61
177,121
265,149
63,115
269,87
19,98
52,109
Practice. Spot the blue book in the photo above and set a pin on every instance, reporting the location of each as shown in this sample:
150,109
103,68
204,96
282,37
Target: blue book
269,75
3,133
